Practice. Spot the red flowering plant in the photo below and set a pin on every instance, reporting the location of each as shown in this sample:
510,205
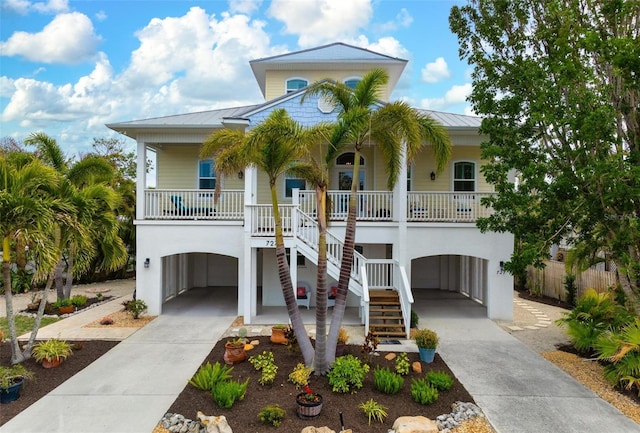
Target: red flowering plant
309,395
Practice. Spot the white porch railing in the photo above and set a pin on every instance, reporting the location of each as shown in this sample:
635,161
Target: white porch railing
171,204
446,206
264,224
371,205
406,296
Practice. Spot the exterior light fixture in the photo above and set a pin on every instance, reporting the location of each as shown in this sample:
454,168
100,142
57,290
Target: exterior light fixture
146,262
240,175
433,175
501,271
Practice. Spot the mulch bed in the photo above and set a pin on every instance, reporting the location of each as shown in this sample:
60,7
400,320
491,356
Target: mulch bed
48,379
242,417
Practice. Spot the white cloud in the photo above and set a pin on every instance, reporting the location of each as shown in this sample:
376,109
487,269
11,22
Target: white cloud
101,15
436,71
23,7
244,6
321,21
68,39
402,19
455,95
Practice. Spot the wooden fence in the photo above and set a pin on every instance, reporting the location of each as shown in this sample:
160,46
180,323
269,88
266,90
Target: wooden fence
549,281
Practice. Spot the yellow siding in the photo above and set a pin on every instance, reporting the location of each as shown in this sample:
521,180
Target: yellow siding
275,81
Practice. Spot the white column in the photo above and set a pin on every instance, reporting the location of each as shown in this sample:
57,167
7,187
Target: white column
499,300
141,179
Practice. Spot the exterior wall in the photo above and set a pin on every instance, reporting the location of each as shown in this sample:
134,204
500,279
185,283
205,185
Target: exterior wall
275,81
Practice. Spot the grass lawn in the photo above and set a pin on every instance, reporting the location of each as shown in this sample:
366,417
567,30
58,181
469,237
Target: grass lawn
24,324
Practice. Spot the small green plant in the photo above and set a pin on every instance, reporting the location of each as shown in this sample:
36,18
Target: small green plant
208,375
387,381
79,301
571,289
370,344
99,296
265,363
426,339
51,349
272,414
226,393
66,302
13,374
423,392
414,319
440,379
300,375
402,364
622,350
136,307
374,410
347,374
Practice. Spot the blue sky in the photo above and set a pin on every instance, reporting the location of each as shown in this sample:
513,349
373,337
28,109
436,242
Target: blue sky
69,67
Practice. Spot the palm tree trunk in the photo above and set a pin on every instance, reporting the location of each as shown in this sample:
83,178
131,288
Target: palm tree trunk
346,263
36,324
16,355
287,287
58,278
68,283
320,364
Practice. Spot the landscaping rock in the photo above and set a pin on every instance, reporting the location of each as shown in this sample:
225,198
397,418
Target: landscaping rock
176,423
417,367
311,429
390,356
215,424
461,412
414,424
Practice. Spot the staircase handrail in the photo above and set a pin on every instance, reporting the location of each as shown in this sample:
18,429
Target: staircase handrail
364,303
406,297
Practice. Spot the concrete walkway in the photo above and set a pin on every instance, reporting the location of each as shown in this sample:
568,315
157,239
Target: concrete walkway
130,388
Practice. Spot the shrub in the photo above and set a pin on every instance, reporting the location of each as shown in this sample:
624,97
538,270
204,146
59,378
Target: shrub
272,414
226,393
594,314
571,289
79,301
347,374
622,350
343,336
402,364
374,410
440,379
387,381
414,319
208,375
426,339
300,375
136,307
265,363
423,392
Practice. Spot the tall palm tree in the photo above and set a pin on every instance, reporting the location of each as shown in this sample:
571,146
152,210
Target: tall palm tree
395,128
272,146
27,206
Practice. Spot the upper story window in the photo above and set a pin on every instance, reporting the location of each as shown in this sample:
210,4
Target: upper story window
464,176
206,174
352,82
290,183
296,84
348,159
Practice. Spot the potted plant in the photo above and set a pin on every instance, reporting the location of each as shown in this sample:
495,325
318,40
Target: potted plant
309,404
64,306
51,352
278,334
343,339
427,341
234,351
11,381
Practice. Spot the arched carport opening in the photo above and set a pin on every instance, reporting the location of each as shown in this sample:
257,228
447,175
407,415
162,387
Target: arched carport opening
199,283
441,276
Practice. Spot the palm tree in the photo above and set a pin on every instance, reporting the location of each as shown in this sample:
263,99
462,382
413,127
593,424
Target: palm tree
395,128
27,206
273,146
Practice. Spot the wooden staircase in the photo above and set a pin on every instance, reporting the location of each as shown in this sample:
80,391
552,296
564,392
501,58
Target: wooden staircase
385,314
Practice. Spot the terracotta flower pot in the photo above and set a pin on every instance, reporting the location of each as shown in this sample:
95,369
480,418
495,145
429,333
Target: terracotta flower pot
277,335
66,310
234,354
51,363
308,409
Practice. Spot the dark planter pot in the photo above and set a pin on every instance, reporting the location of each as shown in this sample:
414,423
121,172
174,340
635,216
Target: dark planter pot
427,355
51,363
308,409
234,354
7,395
340,349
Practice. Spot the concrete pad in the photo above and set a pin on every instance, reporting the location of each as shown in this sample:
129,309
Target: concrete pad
525,414
91,414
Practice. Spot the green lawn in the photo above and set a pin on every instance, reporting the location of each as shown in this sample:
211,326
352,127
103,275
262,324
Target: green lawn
24,324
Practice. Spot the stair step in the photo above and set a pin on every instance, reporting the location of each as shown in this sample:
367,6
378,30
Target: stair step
382,303
394,309
390,334
386,325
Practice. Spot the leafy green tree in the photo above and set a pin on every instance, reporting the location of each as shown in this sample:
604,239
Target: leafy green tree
272,146
363,118
558,85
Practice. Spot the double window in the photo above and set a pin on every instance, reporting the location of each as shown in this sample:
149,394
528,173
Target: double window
464,176
206,174
295,84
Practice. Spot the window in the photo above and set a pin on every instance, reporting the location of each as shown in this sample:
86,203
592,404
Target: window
206,174
296,84
464,175
352,82
292,182
345,177
409,177
347,159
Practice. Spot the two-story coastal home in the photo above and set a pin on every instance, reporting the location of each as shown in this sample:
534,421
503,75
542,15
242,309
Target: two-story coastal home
420,236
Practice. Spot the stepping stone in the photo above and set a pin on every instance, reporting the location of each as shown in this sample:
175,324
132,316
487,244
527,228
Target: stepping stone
256,330
515,328
542,325
531,327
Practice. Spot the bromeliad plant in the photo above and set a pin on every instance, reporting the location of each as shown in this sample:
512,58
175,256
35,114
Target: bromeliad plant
208,375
